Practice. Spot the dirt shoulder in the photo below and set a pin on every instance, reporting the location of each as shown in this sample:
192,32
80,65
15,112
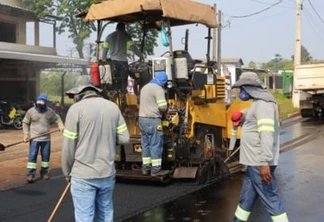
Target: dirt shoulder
13,160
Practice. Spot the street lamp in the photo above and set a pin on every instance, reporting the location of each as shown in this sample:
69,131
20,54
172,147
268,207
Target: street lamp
276,59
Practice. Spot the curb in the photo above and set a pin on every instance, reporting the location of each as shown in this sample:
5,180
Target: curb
293,114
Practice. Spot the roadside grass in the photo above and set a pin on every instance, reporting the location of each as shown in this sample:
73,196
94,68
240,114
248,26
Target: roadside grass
286,108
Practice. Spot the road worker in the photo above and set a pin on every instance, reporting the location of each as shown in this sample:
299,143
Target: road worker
152,106
259,149
117,43
93,127
38,120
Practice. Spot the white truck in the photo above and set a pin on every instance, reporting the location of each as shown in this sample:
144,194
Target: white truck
309,80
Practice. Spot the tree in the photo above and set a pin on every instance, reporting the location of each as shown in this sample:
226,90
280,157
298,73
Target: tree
252,65
136,32
305,55
79,30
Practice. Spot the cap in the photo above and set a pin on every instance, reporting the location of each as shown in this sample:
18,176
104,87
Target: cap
161,77
40,102
236,118
80,89
42,99
249,79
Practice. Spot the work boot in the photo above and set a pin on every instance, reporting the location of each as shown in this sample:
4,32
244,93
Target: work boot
45,176
145,172
30,179
160,173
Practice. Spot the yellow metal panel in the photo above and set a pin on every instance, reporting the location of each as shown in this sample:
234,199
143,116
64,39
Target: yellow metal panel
213,114
235,106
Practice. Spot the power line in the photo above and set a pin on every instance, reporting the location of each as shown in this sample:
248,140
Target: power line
255,13
318,15
281,6
310,20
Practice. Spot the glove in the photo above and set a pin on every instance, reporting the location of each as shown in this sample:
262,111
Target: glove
26,138
61,127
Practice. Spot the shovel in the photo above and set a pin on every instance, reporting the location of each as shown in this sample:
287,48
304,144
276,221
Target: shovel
3,147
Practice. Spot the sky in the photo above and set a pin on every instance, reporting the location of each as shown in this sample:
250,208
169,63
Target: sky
254,38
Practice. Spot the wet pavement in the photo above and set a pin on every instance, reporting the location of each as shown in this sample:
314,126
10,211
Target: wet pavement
300,181
299,177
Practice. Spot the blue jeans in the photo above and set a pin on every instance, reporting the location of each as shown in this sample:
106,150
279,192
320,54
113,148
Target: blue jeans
93,197
45,150
152,143
254,187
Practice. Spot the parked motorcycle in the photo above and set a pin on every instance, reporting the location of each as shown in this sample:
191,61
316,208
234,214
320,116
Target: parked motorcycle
10,116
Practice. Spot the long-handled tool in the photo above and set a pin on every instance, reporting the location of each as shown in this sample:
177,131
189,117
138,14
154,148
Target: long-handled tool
232,154
3,147
59,202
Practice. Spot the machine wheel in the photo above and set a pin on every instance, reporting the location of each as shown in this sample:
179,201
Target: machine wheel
18,122
213,167
307,113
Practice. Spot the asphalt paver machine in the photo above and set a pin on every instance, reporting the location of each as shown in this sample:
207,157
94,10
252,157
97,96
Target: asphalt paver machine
197,126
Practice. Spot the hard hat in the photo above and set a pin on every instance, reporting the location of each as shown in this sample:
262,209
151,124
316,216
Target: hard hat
82,88
236,118
249,79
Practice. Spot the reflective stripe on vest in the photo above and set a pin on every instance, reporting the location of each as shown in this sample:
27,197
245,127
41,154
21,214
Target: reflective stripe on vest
146,160
241,214
70,135
161,102
31,165
106,45
122,128
266,125
156,162
27,121
45,164
280,218
234,132
130,43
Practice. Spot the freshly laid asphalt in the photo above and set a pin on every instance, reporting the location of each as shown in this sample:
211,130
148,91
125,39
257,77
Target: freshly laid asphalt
300,179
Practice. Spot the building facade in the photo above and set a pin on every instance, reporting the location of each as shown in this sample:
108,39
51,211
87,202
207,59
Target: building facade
21,64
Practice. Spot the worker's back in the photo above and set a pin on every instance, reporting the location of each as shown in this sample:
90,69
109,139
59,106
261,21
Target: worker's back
96,120
118,45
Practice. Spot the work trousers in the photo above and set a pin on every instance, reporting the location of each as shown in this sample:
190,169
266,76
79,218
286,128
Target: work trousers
93,198
121,72
152,143
254,187
45,150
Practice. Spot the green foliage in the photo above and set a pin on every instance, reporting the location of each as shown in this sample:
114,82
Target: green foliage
305,56
252,65
79,30
284,64
285,104
50,83
136,32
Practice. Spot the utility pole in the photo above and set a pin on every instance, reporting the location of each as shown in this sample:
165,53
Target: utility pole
219,42
214,39
297,55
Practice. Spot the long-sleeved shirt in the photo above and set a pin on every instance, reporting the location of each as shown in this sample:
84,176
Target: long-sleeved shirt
260,135
36,123
93,127
152,101
117,44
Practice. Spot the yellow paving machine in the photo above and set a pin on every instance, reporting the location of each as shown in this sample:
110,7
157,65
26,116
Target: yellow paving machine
197,126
